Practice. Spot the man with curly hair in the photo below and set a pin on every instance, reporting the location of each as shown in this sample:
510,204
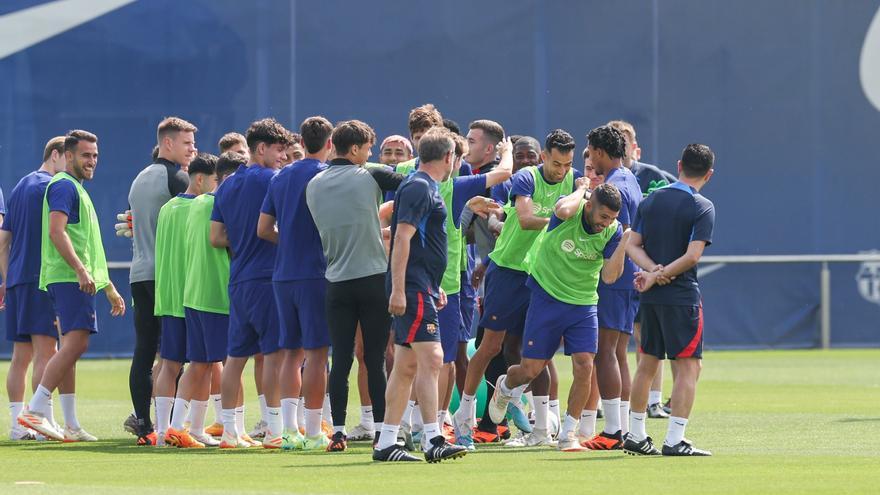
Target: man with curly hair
253,317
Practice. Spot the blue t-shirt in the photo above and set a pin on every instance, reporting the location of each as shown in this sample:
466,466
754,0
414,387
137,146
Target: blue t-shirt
651,177
630,197
523,182
419,204
668,220
465,188
62,196
501,192
2,204
300,255
24,220
237,205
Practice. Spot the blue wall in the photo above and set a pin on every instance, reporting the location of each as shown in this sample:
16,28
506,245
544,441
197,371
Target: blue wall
773,87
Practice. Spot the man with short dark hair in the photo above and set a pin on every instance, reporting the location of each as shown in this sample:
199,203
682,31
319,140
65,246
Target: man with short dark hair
174,348
617,301
299,285
672,228
29,326
532,199
582,243
72,269
650,178
253,316
150,190
344,203
418,261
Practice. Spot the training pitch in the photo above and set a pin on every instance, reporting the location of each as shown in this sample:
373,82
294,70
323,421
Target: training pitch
777,421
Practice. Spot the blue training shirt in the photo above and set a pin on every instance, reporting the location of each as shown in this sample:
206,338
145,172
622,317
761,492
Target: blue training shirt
24,221
62,196
668,220
630,197
300,255
237,205
419,204
523,182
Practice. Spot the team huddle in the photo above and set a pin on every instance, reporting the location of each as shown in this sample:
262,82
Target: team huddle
295,250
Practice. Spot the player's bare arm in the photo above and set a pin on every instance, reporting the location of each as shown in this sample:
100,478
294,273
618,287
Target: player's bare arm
526,215
266,228
568,205
61,241
612,269
219,237
399,257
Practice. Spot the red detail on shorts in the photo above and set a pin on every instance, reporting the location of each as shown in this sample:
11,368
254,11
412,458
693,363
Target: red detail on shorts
420,311
692,346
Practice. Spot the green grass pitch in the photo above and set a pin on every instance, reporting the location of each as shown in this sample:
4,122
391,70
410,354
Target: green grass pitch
777,422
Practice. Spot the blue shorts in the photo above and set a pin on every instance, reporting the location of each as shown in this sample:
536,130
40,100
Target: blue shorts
301,313
253,319
468,300
550,320
207,335
28,312
506,301
672,331
75,309
172,343
419,323
450,327
617,309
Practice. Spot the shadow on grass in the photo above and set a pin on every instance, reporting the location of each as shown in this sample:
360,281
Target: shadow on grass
858,420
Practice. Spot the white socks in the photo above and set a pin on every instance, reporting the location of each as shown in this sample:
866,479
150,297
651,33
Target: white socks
388,436
515,393
417,420
554,409
275,422
218,408
239,420
68,407
466,409
313,422
229,426
542,410
611,409
588,424
163,414
181,409
327,411
367,418
431,430
675,433
264,413
289,414
568,426
654,397
301,412
624,413
40,401
407,413
637,426
198,411
15,409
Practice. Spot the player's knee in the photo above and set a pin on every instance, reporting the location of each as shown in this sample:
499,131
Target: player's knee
582,366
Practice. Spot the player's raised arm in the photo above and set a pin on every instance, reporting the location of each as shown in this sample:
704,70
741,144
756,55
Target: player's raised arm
568,205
